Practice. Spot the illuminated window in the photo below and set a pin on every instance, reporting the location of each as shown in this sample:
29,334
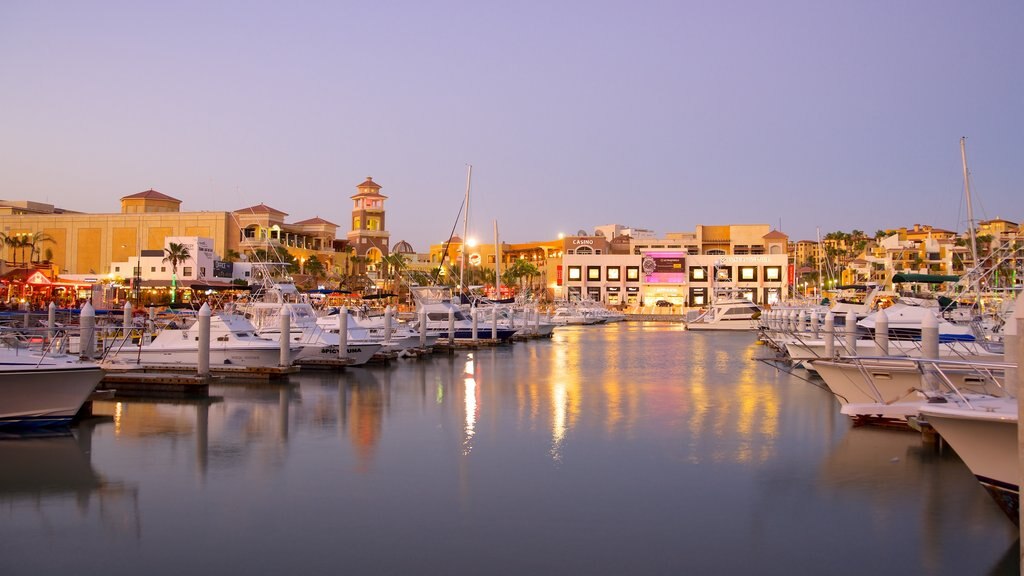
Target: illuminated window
613,273
632,273
356,222
593,273
575,273
748,273
773,273
723,273
698,274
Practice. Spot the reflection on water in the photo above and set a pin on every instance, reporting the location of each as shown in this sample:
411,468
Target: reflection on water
48,484
615,449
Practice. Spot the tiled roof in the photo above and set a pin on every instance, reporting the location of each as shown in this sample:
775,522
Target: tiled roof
316,220
260,208
774,235
150,195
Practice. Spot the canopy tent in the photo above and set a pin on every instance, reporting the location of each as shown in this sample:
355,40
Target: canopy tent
924,278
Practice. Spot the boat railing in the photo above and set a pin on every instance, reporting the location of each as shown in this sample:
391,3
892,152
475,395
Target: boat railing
935,369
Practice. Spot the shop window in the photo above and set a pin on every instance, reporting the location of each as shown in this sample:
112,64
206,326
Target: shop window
773,273
575,273
698,274
594,273
632,273
612,273
723,273
748,273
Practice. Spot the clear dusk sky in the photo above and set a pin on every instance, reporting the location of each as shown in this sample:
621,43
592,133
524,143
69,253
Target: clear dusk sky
661,115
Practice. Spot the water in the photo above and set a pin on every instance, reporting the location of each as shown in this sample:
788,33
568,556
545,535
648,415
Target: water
620,449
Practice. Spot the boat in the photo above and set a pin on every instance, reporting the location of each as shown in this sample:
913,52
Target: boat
888,389
313,341
233,340
40,387
984,435
436,302
730,311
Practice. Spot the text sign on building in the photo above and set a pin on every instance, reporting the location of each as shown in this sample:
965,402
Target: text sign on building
664,268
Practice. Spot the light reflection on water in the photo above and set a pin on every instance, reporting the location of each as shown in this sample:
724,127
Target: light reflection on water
639,449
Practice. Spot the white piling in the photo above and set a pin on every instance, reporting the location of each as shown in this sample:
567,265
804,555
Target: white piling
930,336
451,326
203,368
830,335
814,324
342,333
51,321
126,319
882,333
1011,340
494,322
851,333
423,328
803,321
389,320
87,338
27,322
476,322
286,337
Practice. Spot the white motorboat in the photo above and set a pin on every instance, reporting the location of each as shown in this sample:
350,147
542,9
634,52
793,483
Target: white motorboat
315,342
233,340
984,435
893,389
436,301
727,312
42,389
401,337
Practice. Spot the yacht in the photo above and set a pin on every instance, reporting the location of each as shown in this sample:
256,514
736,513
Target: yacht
727,312
984,435
233,340
437,302
42,388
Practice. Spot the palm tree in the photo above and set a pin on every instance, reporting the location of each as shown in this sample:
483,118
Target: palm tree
315,268
231,256
393,265
36,239
176,254
11,242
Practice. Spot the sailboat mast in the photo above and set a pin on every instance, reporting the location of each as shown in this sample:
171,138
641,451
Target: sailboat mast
497,263
465,230
970,213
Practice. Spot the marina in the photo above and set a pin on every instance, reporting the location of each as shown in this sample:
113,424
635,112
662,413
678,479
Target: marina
630,447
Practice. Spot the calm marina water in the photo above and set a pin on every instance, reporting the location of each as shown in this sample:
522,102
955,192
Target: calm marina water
620,449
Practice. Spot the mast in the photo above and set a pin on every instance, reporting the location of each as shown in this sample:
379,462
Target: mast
497,263
970,219
465,230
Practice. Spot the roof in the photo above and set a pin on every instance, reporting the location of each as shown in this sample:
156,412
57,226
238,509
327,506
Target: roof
774,235
260,208
403,247
368,188
316,220
150,195
369,183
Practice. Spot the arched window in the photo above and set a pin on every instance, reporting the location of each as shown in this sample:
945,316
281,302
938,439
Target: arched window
584,250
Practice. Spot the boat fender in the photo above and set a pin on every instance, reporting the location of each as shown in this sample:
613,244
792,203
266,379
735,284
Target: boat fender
227,361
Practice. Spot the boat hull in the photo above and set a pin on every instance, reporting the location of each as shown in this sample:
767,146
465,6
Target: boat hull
43,396
987,443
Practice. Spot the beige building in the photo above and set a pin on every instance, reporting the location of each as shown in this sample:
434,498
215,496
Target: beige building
80,243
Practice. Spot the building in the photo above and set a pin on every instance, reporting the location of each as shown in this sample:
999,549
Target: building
369,235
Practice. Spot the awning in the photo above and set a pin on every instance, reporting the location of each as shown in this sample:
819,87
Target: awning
924,278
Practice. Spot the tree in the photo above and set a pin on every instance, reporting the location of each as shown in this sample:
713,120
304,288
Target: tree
393,265
231,256
519,270
35,241
315,268
176,254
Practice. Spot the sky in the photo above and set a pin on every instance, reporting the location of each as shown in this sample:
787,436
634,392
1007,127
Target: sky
805,115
